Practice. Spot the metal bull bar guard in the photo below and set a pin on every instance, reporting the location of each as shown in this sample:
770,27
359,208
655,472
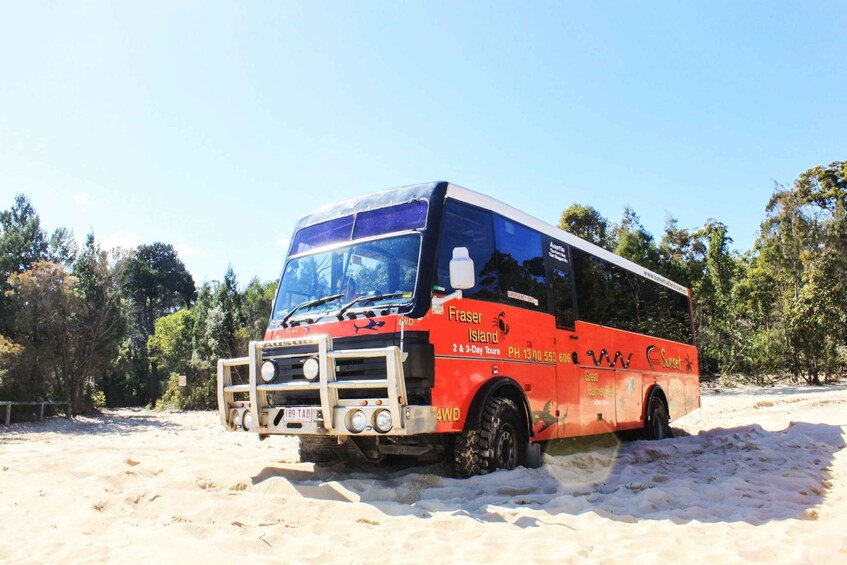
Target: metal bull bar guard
332,416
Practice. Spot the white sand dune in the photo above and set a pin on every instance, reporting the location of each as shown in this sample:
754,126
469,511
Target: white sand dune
755,475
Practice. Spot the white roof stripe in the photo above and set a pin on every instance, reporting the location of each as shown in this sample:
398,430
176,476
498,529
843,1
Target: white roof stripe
483,201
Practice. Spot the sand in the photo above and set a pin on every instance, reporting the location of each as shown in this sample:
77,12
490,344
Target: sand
753,476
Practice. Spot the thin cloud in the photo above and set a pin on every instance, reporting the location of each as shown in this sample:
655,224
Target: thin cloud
121,239
186,250
83,199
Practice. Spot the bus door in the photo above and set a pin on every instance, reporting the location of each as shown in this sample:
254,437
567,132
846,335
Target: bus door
560,277
596,375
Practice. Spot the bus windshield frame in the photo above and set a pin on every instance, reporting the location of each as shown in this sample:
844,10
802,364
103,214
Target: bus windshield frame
363,274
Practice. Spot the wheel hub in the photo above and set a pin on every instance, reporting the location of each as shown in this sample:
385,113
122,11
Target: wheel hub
505,450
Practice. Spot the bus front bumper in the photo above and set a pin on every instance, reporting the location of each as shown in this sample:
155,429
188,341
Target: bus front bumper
249,406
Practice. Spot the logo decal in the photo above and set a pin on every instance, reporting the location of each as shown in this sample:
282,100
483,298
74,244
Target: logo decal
541,420
650,349
665,362
598,359
372,325
501,325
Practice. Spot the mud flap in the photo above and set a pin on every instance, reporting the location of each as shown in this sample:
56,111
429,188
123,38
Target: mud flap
532,460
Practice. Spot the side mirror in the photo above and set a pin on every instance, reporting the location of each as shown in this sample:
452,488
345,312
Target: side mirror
462,272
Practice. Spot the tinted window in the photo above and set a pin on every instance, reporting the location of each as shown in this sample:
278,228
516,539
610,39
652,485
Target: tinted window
467,226
408,216
521,264
558,259
321,234
592,282
616,297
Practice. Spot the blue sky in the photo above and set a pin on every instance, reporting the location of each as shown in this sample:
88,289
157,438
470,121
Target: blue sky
213,126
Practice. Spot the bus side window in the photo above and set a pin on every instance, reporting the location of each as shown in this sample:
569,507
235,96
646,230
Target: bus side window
471,227
558,259
562,299
521,264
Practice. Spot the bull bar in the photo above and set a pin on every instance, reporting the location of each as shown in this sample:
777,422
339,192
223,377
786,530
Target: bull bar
331,416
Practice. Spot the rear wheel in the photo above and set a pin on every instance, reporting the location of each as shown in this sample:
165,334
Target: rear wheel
499,443
657,425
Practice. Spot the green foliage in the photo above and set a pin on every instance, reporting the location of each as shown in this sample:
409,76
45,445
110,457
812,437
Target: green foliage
633,242
220,324
156,284
586,222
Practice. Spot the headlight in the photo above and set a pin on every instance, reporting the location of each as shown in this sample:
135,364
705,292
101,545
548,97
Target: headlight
382,421
238,419
311,369
247,421
268,371
357,421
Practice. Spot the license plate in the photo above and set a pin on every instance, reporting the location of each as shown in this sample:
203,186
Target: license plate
298,414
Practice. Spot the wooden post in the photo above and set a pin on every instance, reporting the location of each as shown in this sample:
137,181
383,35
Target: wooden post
41,412
8,414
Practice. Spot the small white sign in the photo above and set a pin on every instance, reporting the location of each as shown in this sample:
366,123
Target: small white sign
183,380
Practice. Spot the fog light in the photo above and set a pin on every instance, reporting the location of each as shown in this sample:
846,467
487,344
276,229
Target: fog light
382,421
247,421
311,369
268,371
357,421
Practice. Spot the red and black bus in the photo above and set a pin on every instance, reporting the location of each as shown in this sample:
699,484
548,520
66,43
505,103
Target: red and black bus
432,321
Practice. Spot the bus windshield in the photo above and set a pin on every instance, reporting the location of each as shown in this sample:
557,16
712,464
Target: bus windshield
363,274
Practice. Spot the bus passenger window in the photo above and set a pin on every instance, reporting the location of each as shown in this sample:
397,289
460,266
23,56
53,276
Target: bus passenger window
562,299
471,227
521,264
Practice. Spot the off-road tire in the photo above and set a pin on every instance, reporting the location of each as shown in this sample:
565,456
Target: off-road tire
657,423
320,450
499,443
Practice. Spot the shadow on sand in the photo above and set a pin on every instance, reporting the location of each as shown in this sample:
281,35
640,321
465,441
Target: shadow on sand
745,474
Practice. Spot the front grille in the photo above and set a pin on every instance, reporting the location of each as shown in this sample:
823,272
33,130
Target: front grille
289,362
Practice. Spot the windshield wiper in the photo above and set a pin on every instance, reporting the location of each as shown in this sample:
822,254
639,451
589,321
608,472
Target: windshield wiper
358,299
308,304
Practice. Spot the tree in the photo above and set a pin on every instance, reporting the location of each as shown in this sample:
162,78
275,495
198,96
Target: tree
22,243
156,283
69,325
258,300
586,222
816,323
636,243
102,324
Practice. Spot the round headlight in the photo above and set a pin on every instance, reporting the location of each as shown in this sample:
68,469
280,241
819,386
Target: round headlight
247,421
382,421
357,421
268,371
311,369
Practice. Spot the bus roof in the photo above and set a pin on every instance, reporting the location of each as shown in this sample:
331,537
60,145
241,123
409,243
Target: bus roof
425,192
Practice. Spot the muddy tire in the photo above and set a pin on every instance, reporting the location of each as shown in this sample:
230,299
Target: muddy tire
657,424
319,450
499,443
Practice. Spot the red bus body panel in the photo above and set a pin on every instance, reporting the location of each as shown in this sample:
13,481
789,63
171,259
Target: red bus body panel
589,380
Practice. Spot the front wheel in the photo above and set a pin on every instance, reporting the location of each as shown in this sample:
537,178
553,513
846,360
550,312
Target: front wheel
499,443
657,425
